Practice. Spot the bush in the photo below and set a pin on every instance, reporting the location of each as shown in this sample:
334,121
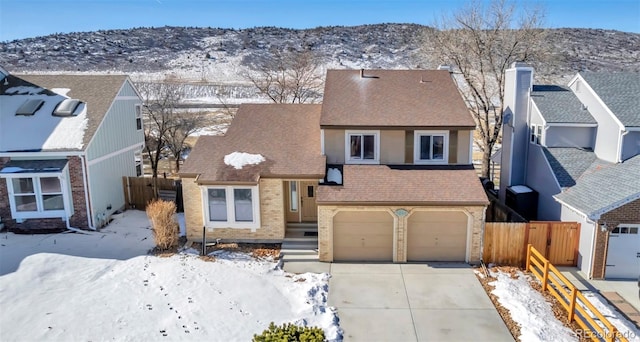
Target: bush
290,333
165,227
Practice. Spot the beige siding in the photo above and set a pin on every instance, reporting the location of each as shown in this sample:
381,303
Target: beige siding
437,236
334,146
363,236
391,147
326,229
463,147
272,215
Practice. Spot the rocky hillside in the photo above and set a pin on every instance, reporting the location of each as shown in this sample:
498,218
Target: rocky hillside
218,56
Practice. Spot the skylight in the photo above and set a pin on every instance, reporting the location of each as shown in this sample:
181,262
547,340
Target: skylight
29,107
67,107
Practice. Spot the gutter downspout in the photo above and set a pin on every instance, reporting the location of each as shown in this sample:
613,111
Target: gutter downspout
73,229
86,193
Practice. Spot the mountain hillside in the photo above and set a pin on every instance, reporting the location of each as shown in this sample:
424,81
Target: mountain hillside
219,56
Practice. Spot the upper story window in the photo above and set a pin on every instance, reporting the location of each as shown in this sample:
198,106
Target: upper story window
138,117
431,147
536,133
232,207
362,147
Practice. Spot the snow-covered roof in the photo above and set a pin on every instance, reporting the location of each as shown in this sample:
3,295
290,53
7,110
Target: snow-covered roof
42,131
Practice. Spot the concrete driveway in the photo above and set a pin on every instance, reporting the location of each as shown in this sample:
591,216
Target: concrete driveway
413,302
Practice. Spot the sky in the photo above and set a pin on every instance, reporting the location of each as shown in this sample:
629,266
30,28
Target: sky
30,18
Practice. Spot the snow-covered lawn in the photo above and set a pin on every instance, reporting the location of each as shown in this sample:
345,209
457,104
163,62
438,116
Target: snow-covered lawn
103,286
533,313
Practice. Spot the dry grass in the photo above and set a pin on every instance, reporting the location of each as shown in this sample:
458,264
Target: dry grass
165,227
256,250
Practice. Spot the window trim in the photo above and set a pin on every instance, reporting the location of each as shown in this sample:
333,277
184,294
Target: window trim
347,146
535,134
139,123
416,147
293,202
231,217
40,212
138,162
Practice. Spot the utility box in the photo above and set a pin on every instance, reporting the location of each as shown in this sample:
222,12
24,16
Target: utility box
523,200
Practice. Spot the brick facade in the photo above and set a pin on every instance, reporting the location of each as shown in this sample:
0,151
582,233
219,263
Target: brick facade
77,220
628,213
326,213
272,215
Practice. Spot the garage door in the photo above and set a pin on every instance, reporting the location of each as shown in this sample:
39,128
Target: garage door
362,236
437,236
623,254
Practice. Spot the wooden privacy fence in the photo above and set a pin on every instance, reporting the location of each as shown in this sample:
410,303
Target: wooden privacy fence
505,243
579,309
138,191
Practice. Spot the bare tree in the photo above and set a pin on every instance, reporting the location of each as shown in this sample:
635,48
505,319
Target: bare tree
288,76
182,126
160,103
480,42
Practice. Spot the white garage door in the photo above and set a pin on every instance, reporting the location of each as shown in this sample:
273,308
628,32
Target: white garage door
363,236
623,254
437,236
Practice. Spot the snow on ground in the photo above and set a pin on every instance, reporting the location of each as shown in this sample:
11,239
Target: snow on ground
240,159
103,286
626,328
529,309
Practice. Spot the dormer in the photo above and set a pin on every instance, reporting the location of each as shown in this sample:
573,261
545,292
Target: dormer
395,117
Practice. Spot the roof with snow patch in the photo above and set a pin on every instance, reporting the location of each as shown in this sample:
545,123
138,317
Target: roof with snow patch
44,132
286,135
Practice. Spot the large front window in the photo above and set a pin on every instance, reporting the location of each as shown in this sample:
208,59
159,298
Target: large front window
233,207
362,147
36,197
431,147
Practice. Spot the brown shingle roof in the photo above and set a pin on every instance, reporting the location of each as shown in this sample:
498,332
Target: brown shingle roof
381,184
286,135
400,98
97,91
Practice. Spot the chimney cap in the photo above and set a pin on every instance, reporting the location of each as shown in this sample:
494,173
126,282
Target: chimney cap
445,67
520,65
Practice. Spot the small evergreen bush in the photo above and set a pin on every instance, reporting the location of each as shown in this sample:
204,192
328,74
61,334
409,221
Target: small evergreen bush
290,333
165,227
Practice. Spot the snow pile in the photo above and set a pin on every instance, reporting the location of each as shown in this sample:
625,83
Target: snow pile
626,328
529,309
334,175
71,287
69,132
240,159
24,90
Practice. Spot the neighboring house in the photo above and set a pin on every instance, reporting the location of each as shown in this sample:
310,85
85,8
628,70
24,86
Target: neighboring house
66,141
383,167
576,149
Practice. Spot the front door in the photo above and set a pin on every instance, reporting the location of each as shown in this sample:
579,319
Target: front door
308,201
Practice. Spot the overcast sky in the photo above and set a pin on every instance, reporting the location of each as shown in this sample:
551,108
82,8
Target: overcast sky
31,18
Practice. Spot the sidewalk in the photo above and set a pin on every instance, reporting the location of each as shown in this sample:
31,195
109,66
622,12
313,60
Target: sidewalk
623,294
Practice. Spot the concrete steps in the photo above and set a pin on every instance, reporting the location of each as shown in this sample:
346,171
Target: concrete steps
300,243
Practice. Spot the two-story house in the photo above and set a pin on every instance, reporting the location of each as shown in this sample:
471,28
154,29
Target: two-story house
383,166
577,148
66,141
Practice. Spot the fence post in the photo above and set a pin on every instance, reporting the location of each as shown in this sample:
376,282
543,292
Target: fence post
572,303
545,276
528,261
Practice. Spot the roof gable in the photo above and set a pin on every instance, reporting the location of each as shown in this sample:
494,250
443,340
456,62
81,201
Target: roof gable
393,98
620,91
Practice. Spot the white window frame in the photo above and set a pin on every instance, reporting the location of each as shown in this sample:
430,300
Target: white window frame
535,136
39,212
229,195
139,117
293,196
629,226
347,147
137,157
416,147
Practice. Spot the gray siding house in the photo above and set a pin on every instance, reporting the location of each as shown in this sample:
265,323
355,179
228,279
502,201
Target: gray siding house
577,147
66,141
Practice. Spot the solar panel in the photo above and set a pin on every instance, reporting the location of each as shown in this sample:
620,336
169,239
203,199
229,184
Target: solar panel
29,107
66,107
